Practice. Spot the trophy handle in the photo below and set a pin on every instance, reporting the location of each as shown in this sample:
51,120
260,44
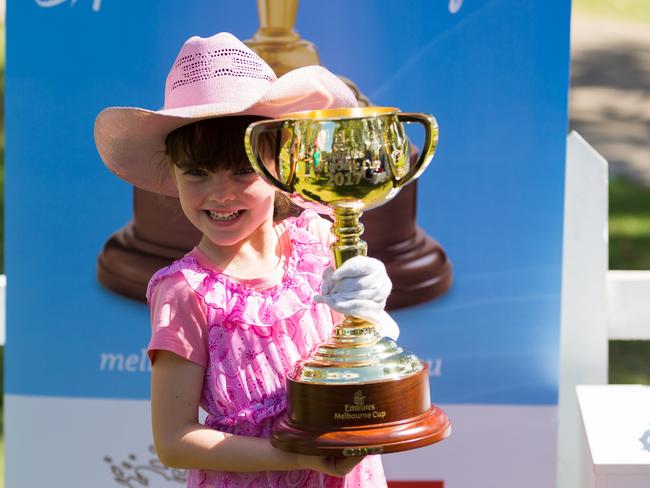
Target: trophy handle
430,142
253,133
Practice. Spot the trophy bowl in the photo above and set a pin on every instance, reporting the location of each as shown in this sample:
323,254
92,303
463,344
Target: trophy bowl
342,157
358,393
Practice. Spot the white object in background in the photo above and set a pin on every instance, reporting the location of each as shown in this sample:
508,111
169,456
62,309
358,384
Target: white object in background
502,446
629,305
583,350
3,314
107,444
616,421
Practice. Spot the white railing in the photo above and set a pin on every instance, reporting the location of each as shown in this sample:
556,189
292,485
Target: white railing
628,302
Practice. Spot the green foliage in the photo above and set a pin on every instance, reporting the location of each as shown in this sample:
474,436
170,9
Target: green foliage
632,10
629,362
629,226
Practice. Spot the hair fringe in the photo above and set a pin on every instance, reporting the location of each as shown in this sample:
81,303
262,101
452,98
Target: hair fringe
218,144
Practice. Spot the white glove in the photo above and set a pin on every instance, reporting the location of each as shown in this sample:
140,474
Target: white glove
360,287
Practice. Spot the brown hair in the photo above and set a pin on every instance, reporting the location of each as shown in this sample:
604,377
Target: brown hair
218,144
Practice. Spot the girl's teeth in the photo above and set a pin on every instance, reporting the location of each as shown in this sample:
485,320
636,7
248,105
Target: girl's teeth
223,216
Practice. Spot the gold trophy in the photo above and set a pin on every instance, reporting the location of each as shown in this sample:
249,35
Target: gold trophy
357,393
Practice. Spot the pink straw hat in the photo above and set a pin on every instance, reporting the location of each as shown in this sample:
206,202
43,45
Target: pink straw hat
211,77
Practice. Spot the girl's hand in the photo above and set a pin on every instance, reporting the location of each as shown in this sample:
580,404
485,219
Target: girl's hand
333,466
360,287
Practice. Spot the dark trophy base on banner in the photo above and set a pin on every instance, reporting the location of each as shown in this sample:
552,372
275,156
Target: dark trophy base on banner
124,269
416,263
159,234
359,419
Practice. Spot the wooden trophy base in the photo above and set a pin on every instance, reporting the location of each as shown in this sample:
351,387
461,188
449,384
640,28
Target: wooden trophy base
419,269
416,263
359,419
158,234
127,263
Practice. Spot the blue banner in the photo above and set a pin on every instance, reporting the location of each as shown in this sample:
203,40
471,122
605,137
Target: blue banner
495,75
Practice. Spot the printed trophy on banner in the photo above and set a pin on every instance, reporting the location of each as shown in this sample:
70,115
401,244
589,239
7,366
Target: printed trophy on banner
357,393
159,233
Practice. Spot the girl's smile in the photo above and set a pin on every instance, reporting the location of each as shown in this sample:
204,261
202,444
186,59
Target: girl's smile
223,216
233,209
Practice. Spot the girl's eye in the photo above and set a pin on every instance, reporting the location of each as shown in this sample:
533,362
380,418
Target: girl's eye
245,170
195,172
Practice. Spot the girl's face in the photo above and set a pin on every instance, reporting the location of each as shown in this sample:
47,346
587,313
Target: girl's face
227,206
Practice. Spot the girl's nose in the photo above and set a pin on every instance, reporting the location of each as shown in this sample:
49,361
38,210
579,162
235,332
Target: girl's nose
222,187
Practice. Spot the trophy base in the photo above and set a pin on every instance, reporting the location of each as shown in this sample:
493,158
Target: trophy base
419,269
416,263
126,263
357,419
429,428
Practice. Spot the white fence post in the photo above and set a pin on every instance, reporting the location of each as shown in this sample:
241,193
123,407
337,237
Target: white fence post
583,350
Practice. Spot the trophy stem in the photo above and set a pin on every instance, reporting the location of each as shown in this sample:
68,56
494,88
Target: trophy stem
348,229
277,42
354,332
277,20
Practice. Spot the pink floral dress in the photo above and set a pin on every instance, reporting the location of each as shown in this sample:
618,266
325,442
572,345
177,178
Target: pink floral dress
248,339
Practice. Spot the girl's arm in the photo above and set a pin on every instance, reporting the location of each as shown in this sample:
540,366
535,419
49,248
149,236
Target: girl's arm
182,442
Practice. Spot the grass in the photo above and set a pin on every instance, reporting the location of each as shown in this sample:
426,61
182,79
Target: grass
629,226
629,362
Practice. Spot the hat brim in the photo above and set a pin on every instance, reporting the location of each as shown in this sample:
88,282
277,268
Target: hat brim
131,140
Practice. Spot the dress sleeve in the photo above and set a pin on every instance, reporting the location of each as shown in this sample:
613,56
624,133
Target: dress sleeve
178,321
321,228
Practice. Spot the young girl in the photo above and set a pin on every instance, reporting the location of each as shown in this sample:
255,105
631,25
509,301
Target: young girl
232,317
